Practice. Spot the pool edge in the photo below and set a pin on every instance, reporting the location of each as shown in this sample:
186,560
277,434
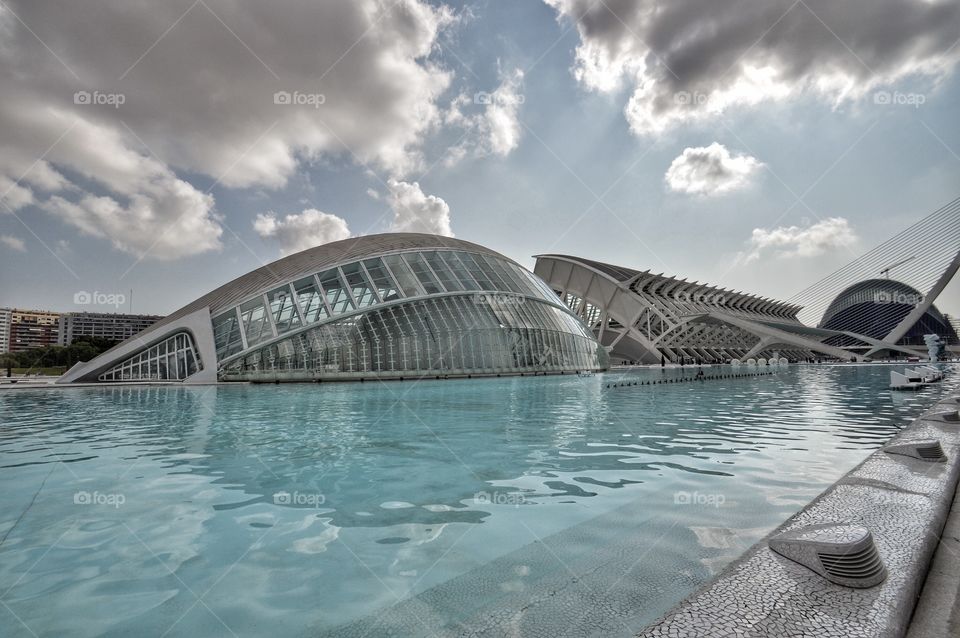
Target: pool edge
904,502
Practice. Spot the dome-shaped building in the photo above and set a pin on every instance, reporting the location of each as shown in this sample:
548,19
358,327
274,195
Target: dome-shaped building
394,305
875,307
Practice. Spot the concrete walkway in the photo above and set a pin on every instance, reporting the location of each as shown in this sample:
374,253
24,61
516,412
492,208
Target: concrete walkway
937,614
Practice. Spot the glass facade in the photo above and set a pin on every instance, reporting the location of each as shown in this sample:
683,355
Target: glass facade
453,334
413,312
470,312
173,359
367,283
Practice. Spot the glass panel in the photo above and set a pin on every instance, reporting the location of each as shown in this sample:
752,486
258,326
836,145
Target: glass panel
159,361
444,274
460,271
404,276
359,286
515,273
382,280
434,336
310,299
285,315
226,334
337,297
422,271
495,277
478,273
256,325
538,284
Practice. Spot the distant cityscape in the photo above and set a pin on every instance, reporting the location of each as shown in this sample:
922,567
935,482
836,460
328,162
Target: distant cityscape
22,330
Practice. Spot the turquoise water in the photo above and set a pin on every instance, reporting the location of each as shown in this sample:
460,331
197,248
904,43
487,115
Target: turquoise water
549,505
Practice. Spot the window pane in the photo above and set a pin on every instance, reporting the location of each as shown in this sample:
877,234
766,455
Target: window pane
478,273
460,271
446,276
151,364
256,325
337,296
311,302
359,286
495,272
405,278
382,280
515,274
226,334
284,313
538,284
422,271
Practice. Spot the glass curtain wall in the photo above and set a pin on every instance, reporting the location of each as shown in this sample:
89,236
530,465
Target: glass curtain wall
452,334
367,283
464,332
173,359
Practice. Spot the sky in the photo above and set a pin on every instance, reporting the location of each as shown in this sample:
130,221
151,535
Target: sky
152,151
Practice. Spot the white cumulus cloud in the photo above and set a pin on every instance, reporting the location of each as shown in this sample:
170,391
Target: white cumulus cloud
143,208
202,93
795,241
501,117
710,170
416,212
13,196
13,243
689,60
493,130
300,231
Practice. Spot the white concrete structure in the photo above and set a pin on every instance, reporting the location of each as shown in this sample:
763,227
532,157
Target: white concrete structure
397,305
648,318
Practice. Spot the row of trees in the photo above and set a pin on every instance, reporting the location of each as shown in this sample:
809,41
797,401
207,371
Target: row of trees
83,349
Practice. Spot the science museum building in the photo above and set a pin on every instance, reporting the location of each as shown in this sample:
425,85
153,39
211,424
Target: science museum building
389,306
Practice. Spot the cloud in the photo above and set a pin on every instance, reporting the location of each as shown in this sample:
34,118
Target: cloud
133,200
688,61
710,170
794,241
501,117
495,129
13,243
415,212
241,93
13,196
301,231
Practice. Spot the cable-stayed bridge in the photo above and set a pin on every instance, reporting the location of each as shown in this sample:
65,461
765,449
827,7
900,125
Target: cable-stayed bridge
885,297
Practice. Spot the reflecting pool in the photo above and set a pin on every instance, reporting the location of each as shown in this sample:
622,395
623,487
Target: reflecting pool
547,505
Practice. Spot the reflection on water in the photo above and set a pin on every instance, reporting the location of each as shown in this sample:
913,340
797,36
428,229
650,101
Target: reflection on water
304,508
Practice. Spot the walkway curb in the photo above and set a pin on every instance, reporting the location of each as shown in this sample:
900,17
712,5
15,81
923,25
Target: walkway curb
903,501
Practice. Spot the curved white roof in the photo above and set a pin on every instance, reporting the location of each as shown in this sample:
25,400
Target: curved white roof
306,262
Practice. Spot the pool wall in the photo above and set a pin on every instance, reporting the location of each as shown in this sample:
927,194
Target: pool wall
903,501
